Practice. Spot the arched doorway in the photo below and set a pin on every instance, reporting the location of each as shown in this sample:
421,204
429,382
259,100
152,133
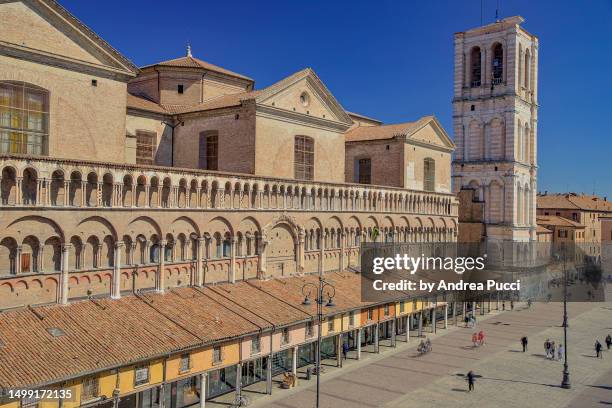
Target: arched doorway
280,251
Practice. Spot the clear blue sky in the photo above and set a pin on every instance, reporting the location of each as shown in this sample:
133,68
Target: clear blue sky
392,60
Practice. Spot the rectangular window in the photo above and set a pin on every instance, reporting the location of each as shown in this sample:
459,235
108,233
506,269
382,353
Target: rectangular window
330,324
364,171
185,363
370,314
256,345
26,262
402,306
141,375
309,329
386,310
208,157
217,355
145,147
179,89
351,319
285,336
429,174
304,158
89,389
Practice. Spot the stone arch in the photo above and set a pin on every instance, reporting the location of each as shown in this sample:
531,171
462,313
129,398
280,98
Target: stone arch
91,224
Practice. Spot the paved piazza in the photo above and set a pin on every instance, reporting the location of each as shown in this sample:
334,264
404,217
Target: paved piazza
509,378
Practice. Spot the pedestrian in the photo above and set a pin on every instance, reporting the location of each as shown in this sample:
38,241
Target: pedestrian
503,306
598,349
466,319
470,379
608,341
547,347
512,305
345,350
560,352
481,337
552,350
524,343
475,339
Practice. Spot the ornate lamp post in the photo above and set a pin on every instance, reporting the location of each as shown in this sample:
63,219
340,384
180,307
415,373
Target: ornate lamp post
566,381
322,288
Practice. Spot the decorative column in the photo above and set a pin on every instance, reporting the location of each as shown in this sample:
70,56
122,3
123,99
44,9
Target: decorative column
300,251
18,192
203,387
18,260
342,249
116,288
232,269
99,194
161,275
66,192
262,258
199,259
63,292
83,193
376,336
394,332
359,343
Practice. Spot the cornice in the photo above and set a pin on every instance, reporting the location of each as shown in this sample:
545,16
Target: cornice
29,54
300,118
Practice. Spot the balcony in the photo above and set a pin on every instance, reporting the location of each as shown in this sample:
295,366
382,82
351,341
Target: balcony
61,183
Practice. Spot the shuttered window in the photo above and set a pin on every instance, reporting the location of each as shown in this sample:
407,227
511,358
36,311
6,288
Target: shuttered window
145,147
304,158
429,174
208,157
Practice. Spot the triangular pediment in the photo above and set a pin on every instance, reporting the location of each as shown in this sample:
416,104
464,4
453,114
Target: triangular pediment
431,133
303,92
44,29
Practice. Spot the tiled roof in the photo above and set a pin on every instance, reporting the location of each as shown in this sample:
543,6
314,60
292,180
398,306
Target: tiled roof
192,62
541,230
363,133
555,220
360,116
104,333
573,201
140,103
224,101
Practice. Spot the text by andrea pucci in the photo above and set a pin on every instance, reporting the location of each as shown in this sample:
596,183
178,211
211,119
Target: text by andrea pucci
390,270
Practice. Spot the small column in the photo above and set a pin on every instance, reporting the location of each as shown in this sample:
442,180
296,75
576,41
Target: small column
434,322
116,288
63,295
99,195
342,248
446,316
300,251
66,192
232,269
269,375
203,387
339,350
359,343
238,379
132,260
99,255
18,260
294,361
393,332
376,339
421,323
83,193
18,191
199,259
161,275
408,318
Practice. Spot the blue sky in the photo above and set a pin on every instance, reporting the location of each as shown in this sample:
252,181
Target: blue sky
392,60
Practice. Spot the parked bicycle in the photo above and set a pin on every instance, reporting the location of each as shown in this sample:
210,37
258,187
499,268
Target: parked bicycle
424,347
240,401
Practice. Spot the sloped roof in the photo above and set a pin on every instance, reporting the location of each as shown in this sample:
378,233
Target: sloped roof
557,221
573,201
141,103
542,230
192,62
360,116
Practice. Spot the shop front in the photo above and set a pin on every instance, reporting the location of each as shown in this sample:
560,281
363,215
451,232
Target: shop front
329,347
221,381
254,371
183,393
149,398
307,354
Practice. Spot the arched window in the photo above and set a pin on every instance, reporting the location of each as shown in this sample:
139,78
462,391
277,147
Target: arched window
429,174
154,254
227,246
476,67
497,64
303,158
24,118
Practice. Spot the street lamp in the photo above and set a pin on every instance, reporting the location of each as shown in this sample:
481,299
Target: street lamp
322,288
566,382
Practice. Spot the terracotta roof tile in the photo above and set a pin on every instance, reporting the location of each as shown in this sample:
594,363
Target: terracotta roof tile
364,133
192,62
573,201
140,103
555,220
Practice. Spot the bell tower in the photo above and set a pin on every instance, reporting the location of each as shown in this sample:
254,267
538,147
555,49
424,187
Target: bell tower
495,126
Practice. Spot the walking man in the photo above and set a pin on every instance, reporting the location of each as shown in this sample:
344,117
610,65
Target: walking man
470,379
345,350
598,349
561,352
552,350
524,343
608,341
512,305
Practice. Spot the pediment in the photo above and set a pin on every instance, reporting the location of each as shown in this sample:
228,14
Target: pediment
433,134
43,28
303,92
